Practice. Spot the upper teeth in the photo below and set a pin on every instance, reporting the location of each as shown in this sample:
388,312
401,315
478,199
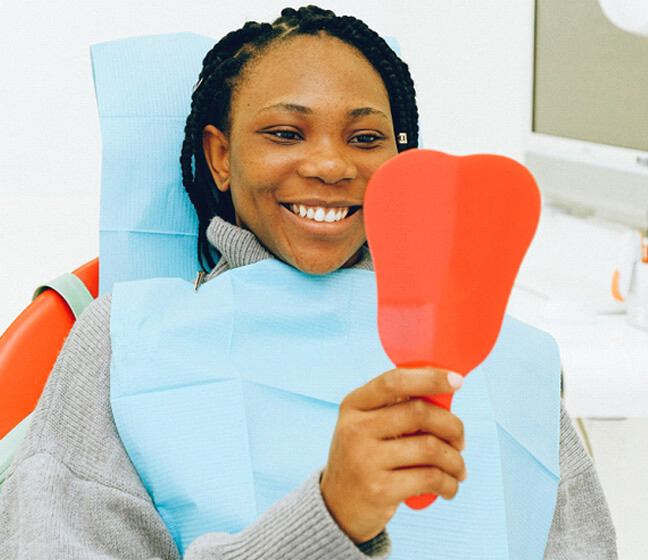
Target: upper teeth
320,214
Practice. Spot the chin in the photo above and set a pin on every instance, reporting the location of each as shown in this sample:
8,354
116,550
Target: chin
315,269
318,271
319,267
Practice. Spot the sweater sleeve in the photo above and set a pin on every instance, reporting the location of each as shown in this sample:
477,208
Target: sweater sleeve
298,526
72,491
582,525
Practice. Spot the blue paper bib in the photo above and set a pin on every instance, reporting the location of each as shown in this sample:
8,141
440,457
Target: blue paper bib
226,400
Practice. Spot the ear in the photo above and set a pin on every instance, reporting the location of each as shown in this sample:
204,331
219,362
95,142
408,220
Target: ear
216,149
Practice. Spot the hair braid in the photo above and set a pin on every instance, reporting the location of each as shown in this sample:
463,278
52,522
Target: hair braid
221,73
210,104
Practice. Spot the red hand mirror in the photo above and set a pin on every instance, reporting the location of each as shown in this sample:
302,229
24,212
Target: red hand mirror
447,235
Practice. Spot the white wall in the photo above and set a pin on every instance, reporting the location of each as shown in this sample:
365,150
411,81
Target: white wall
471,62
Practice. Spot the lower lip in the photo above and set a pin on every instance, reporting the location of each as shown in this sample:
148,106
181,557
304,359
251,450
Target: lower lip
324,228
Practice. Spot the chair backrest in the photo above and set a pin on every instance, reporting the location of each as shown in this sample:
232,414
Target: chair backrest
148,227
29,348
30,345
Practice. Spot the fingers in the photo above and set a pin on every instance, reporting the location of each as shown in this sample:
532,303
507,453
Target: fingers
424,451
417,415
405,483
425,480
391,411
400,384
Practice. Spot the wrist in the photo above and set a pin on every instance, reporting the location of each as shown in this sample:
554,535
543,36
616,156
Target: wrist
358,523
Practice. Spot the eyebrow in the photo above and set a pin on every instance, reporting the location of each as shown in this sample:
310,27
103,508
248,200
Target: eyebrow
292,107
364,111
301,109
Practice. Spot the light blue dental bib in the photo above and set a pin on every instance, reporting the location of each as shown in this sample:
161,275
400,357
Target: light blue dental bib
226,400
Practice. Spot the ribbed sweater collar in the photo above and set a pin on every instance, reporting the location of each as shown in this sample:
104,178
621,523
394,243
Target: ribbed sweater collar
240,247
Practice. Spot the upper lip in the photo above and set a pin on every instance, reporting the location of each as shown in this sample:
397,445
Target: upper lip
322,203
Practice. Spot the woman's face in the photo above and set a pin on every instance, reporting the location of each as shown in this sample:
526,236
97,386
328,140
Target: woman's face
309,123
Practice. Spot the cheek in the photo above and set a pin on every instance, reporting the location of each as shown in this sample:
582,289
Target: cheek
253,196
256,174
370,167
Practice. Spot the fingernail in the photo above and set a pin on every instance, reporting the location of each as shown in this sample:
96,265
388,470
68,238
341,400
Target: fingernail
455,380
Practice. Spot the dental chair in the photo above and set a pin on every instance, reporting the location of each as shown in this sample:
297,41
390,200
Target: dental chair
148,227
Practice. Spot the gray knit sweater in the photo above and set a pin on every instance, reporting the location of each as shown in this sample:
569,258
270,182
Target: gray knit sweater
72,492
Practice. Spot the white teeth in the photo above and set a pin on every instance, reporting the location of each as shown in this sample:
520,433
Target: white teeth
320,214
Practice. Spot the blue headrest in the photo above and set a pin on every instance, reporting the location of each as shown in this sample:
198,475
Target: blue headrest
148,226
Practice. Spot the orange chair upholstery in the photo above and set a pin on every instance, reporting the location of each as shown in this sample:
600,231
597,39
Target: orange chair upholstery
30,345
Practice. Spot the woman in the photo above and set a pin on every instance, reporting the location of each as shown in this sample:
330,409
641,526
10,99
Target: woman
289,120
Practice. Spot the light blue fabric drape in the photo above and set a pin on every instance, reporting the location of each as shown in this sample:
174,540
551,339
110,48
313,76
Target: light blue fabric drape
226,400
148,226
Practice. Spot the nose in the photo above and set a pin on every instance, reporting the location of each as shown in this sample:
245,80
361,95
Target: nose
328,163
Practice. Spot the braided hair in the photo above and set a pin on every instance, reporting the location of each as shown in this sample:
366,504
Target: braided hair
222,71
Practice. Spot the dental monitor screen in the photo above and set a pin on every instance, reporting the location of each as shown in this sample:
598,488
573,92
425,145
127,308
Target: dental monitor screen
588,148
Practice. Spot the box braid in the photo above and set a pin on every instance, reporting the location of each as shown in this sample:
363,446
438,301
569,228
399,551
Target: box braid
222,71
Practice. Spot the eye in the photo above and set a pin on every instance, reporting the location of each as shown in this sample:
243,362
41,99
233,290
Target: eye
367,139
284,135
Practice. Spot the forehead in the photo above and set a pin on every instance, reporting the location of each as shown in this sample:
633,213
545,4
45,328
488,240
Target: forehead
310,69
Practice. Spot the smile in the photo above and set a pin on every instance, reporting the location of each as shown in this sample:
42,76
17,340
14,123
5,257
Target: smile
320,214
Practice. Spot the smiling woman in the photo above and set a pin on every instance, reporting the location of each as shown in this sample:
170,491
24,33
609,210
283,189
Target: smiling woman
309,82
317,118
204,423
